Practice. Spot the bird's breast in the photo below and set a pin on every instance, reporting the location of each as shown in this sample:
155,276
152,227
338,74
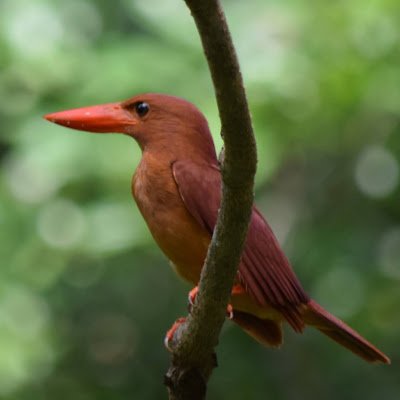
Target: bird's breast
174,229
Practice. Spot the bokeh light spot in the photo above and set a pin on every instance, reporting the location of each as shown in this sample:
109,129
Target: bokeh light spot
282,214
26,352
374,36
341,290
33,29
376,172
22,311
61,224
28,181
82,21
112,226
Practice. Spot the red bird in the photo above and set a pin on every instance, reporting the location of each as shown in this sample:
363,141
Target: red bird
177,187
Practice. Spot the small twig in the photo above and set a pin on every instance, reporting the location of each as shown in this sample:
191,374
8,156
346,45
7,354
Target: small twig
193,358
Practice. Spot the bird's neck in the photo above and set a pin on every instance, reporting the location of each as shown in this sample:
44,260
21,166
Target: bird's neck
166,152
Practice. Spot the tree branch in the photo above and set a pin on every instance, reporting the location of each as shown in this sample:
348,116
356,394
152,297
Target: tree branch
193,357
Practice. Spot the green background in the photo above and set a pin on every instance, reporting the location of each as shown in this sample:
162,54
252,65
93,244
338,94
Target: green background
86,296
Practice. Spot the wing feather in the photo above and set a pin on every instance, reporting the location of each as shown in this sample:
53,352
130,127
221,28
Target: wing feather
264,269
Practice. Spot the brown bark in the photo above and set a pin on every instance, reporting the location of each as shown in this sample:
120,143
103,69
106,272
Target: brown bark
193,357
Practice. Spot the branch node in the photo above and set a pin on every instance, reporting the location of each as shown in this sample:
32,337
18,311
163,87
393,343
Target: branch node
187,382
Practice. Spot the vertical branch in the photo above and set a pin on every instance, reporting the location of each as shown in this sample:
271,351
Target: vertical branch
193,358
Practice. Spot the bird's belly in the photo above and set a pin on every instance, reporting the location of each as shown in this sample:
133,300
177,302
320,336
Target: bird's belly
183,241
176,232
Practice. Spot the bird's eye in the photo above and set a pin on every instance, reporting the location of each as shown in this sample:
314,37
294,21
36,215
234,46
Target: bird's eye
142,108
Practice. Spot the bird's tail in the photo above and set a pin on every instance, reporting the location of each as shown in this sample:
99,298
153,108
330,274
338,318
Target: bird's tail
266,332
316,316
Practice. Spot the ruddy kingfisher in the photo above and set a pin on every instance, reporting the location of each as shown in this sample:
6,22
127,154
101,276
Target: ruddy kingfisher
177,187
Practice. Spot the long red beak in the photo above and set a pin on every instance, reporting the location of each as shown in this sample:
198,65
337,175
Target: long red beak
105,118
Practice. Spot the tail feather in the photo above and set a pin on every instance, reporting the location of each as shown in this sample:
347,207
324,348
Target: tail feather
266,332
315,315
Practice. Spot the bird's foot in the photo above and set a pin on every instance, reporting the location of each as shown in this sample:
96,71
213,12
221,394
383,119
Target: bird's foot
170,339
229,311
192,297
237,290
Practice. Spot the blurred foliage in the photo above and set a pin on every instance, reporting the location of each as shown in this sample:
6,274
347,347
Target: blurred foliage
85,295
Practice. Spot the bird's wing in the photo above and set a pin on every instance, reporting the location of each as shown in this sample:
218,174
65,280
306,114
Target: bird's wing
264,270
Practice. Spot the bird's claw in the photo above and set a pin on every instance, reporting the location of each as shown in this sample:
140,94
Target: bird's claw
192,297
169,339
229,311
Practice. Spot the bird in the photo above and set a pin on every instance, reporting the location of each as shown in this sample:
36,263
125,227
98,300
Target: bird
177,188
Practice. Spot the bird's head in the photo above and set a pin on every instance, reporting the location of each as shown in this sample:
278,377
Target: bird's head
156,121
